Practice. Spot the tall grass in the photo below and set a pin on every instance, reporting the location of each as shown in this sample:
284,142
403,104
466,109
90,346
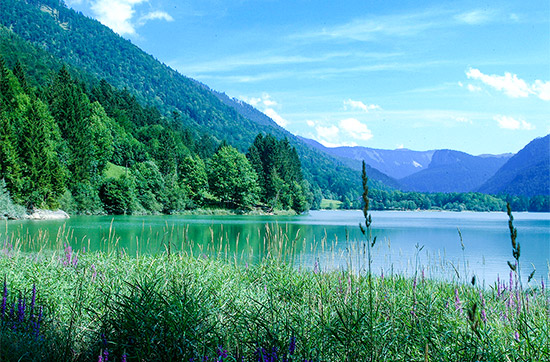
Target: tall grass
183,305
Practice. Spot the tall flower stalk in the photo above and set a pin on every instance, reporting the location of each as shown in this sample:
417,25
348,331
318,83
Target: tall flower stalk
366,231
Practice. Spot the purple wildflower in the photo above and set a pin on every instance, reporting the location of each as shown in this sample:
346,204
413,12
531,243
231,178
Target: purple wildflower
222,353
4,299
316,267
483,306
542,284
20,310
100,358
511,281
123,358
106,355
94,272
483,316
516,336
36,329
458,304
33,300
292,345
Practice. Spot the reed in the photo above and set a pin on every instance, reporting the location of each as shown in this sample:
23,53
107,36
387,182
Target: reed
193,301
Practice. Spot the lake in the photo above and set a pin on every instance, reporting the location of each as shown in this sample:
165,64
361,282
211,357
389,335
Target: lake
407,242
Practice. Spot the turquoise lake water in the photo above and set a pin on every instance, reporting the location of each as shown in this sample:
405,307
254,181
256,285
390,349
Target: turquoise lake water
407,242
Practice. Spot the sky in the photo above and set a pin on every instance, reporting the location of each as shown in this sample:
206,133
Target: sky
472,76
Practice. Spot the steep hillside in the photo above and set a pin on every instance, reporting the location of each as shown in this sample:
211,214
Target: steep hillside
525,174
394,163
97,52
453,171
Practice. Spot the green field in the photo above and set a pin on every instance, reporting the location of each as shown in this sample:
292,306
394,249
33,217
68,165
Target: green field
327,204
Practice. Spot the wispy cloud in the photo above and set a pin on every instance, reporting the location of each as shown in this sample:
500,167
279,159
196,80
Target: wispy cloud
155,15
511,85
371,28
404,25
263,59
511,123
476,17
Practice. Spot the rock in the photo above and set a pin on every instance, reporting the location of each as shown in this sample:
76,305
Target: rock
39,214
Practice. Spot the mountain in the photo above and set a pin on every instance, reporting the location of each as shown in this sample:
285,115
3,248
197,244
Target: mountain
527,173
394,163
96,52
453,171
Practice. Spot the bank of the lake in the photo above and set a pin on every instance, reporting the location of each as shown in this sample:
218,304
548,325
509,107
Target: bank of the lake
329,238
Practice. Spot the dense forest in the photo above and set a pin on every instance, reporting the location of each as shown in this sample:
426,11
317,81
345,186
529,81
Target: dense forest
99,151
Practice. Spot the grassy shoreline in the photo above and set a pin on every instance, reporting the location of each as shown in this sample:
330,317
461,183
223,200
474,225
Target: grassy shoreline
182,308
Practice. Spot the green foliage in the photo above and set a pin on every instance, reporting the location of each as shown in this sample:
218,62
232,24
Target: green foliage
150,186
195,177
232,179
279,173
43,173
118,195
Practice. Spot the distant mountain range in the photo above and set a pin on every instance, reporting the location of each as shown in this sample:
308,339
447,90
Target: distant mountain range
454,171
526,173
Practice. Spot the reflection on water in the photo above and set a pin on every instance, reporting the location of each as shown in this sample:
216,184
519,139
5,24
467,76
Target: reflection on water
407,242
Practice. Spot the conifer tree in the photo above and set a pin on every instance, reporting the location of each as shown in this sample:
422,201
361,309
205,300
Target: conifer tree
43,175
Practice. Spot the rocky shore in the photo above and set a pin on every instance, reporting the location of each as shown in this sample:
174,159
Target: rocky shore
40,214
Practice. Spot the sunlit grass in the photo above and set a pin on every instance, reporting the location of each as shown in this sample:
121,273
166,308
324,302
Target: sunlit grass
258,305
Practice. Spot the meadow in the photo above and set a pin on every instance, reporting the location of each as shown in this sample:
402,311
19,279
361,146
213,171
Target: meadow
68,305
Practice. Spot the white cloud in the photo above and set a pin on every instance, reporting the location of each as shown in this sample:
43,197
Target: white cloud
360,105
356,129
310,123
271,113
510,84
542,90
511,123
330,132
119,14
264,101
265,104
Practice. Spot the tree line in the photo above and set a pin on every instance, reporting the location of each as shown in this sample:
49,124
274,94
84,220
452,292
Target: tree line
97,150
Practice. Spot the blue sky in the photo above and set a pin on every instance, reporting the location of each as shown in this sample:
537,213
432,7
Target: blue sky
472,76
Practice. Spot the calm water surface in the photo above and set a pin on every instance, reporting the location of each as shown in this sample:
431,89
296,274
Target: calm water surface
407,242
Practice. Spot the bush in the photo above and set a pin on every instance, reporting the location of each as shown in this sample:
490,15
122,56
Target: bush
8,209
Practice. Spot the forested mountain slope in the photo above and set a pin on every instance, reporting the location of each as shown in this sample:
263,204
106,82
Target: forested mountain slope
99,53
